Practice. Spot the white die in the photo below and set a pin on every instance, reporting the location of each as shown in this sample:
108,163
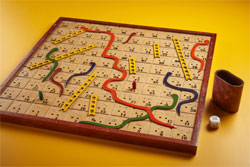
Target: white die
214,121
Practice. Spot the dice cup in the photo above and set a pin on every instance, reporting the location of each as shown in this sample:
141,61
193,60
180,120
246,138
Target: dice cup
227,90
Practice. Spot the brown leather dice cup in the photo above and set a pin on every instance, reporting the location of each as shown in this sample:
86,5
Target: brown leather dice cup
227,90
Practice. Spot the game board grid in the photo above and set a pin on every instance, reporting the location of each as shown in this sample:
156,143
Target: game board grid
169,131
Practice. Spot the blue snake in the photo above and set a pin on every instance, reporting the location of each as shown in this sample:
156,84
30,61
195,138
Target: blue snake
178,108
82,73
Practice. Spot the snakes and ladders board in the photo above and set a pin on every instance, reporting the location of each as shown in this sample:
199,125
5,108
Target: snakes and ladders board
129,83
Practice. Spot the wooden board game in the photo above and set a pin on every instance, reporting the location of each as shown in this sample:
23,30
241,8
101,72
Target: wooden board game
134,84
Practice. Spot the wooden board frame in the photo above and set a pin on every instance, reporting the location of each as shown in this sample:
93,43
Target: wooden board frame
108,133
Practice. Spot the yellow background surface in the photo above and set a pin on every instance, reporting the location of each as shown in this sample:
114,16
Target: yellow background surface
22,24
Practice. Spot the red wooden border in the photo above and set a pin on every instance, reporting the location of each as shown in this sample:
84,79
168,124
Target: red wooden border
107,133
